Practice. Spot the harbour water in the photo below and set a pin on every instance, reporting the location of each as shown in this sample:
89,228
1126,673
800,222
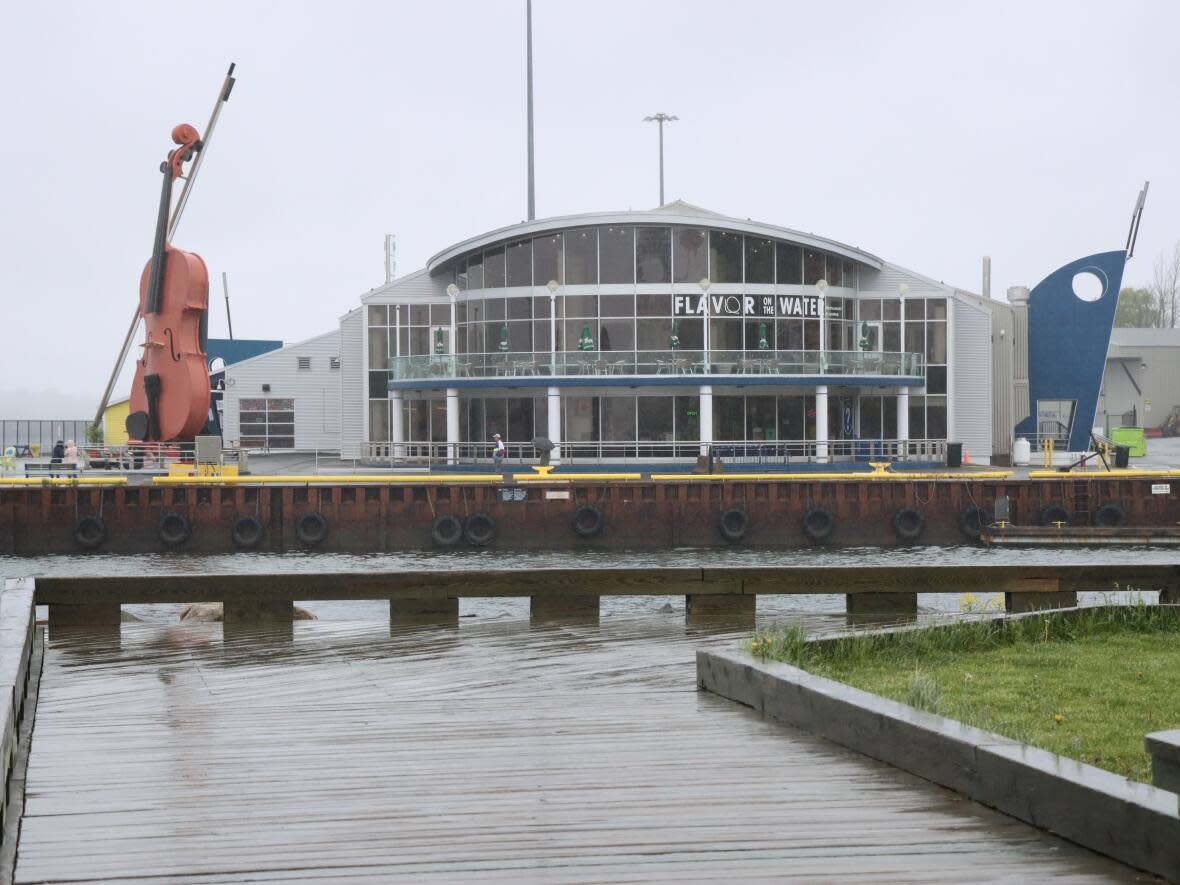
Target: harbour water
498,751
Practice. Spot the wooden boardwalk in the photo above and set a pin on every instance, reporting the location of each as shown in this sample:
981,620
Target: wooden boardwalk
495,752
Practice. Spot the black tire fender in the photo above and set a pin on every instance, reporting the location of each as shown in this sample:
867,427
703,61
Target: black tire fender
972,521
908,523
446,530
90,532
733,524
1110,515
247,532
588,521
479,529
311,529
818,523
1055,513
175,529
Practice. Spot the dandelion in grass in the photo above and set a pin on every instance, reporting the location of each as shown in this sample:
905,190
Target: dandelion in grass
1058,718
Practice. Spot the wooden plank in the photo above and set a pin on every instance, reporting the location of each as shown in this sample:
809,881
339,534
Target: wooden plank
498,752
885,578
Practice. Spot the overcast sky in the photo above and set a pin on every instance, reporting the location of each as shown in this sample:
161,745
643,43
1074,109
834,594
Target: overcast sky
927,133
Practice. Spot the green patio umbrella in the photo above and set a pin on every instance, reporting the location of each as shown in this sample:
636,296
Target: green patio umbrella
585,342
674,338
763,343
864,336
504,338
439,347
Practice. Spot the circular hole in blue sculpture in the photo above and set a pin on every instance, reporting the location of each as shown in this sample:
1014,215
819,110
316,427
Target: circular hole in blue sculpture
1088,286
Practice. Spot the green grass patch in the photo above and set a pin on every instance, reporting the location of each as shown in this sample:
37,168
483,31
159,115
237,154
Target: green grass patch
1088,687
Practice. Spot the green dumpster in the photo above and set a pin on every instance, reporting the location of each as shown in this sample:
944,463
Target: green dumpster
1132,438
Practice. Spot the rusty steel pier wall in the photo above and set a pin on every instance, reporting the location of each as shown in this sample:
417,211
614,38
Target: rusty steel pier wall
637,514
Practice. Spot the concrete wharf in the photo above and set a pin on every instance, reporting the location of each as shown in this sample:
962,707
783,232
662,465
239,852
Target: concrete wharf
502,751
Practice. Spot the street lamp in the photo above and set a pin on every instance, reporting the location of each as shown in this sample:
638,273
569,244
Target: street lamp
705,284
553,286
453,294
821,286
661,118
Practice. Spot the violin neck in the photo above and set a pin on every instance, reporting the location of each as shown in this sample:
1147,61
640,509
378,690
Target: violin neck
159,255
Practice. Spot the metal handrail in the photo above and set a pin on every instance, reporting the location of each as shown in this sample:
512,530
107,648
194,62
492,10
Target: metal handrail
762,452
656,362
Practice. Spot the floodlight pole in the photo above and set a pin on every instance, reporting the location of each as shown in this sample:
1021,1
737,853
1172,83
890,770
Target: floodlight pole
529,65
661,118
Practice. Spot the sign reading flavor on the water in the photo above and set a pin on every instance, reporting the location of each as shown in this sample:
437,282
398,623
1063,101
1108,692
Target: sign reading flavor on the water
800,306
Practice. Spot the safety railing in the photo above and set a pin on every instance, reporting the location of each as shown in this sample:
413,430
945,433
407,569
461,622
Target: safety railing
130,458
737,452
149,457
656,362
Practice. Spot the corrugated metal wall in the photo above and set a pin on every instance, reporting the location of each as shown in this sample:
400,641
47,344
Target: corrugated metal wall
316,390
972,378
1003,378
353,420
886,280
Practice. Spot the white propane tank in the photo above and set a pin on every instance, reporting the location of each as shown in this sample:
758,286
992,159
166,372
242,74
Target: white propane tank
1021,452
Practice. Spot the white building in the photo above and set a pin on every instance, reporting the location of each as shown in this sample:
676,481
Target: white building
286,399
648,334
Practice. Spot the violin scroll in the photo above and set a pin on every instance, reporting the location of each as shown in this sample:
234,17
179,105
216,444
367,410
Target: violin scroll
189,141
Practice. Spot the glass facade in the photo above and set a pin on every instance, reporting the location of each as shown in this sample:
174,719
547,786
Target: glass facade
633,289
647,254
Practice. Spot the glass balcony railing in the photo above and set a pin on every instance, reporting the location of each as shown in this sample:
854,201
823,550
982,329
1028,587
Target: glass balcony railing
657,362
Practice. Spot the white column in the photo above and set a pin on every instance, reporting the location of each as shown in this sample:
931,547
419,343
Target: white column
452,424
821,423
397,428
706,417
554,415
903,417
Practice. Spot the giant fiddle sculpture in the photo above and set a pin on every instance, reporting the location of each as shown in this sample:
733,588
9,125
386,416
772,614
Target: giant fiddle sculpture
170,393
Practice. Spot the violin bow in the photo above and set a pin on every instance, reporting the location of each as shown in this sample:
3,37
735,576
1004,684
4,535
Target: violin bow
222,97
226,88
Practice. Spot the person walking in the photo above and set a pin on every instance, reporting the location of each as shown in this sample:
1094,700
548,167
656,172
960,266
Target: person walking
70,455
59,452
499,453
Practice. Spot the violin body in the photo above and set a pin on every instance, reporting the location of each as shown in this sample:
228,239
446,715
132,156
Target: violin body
174,350
170,394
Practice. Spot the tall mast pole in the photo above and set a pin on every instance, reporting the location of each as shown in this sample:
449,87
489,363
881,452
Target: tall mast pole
529,53
228,319
661,162
661,118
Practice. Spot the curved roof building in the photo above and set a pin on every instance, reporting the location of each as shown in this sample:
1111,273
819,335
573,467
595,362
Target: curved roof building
672,333
655,334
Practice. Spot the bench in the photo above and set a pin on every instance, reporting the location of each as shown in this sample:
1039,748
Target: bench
47,468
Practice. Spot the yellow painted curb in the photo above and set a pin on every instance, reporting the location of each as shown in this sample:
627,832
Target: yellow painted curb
571,477
326,479
1116,473
827,477
63,481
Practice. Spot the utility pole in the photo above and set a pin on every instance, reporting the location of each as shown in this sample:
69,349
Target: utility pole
529,55
661,118
228,319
